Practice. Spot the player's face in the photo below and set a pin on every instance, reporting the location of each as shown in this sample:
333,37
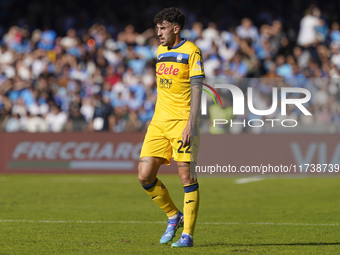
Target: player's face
166,33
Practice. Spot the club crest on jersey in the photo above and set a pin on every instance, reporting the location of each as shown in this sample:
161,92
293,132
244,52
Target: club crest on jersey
179,57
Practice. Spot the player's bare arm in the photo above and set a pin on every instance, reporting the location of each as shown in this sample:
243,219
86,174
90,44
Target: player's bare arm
196,92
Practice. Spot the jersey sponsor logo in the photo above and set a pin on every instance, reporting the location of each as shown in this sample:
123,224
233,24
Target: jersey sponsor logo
167,70
179,58
165,83
199,63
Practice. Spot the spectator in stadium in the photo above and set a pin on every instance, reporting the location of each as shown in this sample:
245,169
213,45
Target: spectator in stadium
247,30
76,121
13,123
103,116
237,68
35,123
308,25
129,36
47,38
56,119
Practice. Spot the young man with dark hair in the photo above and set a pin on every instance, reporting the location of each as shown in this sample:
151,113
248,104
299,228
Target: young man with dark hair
173,128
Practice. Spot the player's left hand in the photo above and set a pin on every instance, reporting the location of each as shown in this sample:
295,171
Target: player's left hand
187,135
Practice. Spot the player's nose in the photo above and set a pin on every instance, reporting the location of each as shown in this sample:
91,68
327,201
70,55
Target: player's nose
159,33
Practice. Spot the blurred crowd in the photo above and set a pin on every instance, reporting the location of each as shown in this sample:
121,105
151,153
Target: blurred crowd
93,79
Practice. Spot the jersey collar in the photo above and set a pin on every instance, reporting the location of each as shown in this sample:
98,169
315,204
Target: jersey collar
179,45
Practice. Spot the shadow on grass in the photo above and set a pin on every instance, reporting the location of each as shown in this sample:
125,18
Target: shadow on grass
265,244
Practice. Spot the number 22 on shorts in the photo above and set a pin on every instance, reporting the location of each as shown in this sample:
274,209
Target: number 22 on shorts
181,146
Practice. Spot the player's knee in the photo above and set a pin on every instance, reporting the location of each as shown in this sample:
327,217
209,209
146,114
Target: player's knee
185,178
143,181
143,178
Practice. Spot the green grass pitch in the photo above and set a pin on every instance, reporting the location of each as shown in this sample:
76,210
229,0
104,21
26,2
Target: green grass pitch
112,214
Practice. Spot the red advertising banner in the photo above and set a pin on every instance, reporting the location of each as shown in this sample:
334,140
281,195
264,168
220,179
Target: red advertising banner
69,152
119,153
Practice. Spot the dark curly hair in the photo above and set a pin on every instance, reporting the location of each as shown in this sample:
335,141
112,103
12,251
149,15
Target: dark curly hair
172,15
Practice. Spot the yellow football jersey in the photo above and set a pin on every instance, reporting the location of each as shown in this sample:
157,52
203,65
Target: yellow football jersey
174,69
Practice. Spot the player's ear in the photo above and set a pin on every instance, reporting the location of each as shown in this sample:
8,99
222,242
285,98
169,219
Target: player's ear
176,29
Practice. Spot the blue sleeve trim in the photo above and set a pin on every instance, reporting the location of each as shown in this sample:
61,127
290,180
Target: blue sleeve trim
150,185
191,188
198,76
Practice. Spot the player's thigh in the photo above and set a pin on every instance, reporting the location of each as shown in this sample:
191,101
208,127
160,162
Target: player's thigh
148,168
156,144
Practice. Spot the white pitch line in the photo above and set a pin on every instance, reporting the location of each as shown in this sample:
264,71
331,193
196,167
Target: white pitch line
249,179
163,222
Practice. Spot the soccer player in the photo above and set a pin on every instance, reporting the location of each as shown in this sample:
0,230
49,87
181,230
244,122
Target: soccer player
173,128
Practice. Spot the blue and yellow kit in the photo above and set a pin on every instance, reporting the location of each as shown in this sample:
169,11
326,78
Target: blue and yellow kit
174,69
